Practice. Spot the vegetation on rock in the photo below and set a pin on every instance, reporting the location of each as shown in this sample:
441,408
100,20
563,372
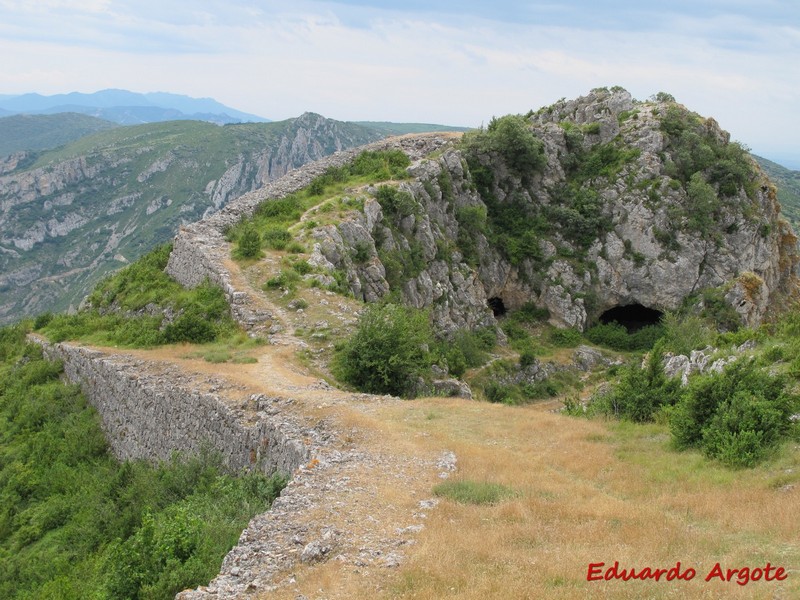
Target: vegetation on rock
129,309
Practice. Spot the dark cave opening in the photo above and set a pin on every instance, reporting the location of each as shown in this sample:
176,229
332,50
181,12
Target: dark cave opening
633,316
497,306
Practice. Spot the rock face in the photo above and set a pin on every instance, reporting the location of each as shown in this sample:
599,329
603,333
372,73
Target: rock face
584,206
631,203
70,216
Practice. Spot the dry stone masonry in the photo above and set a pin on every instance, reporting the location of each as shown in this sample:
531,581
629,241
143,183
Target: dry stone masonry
150,411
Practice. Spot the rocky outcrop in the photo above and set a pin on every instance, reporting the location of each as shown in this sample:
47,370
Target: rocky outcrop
200,251
636,203
612,217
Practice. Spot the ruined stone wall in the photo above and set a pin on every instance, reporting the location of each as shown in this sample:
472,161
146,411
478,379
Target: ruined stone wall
200,251
149,415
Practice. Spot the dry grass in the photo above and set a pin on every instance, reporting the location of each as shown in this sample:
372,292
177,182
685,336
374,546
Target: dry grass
587,492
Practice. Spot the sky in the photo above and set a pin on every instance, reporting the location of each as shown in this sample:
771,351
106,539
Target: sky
431,61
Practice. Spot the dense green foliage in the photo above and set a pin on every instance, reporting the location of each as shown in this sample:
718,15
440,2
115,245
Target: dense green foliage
617,337
738,416
76,524
640,393
466,349
202,312
388,352
510,138
712,170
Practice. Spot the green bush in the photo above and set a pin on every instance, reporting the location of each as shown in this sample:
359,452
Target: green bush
615,336
277,237
737,416
497,392
565,338
640,392
511,138
467,349
249,244
684,333
395,203
388,351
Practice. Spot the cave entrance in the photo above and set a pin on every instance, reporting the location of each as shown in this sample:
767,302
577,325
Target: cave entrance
633,316
497,306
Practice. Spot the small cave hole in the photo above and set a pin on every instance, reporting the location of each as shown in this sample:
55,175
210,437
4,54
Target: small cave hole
497,306
632,317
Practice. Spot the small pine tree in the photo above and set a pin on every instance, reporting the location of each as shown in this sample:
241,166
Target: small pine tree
249,243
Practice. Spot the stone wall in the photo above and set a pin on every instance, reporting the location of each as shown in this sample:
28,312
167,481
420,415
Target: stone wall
149,415
200,250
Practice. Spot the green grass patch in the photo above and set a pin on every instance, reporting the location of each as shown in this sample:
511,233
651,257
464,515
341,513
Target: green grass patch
466,491
126,309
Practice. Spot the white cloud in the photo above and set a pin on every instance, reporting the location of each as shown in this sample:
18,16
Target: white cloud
365,63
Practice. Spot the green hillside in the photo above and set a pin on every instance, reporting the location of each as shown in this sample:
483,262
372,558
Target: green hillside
43,132
87,208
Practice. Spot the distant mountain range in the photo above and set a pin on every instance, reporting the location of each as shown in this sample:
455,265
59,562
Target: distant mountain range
127,108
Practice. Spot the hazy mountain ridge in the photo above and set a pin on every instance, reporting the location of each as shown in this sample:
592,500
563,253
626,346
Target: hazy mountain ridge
85,209
128,108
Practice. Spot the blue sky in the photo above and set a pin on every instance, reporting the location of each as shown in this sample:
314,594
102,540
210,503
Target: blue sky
455,63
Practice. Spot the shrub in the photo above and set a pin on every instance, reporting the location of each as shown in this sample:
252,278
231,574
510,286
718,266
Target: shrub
277,237
388,351
511,138
565,338
497,392
615,336
190,327
395,202
742,410
682,334
527,358
303,267
249,244
640,392
743,430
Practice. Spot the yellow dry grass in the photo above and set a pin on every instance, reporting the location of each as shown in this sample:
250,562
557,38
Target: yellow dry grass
588,492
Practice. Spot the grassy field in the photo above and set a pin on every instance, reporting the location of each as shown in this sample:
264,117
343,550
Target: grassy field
585,492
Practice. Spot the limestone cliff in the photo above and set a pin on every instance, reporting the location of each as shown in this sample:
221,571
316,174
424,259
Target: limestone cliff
71,215
588,204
